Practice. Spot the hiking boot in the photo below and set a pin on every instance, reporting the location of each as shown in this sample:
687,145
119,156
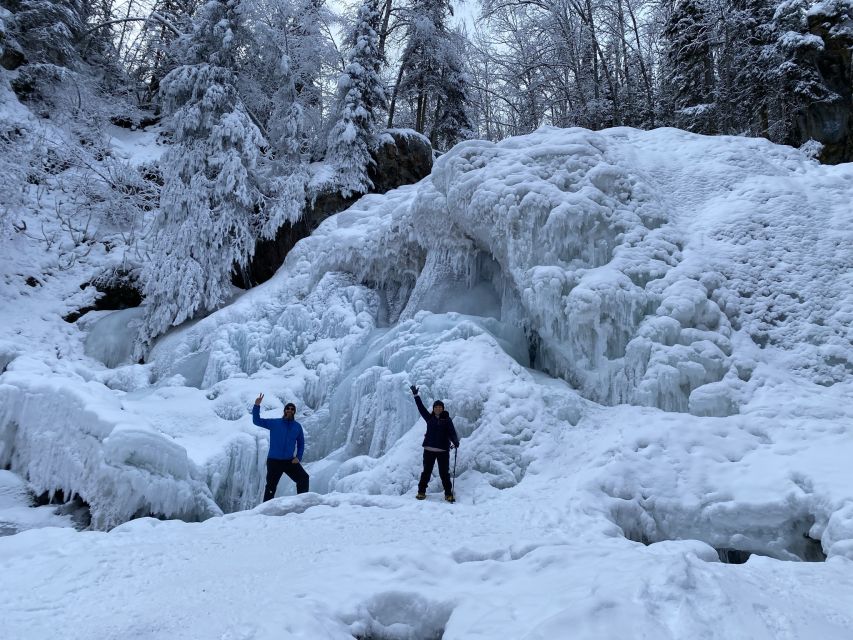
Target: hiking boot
449,497
421,496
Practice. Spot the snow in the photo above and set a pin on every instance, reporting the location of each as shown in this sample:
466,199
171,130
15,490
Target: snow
16,508
642,337
138,147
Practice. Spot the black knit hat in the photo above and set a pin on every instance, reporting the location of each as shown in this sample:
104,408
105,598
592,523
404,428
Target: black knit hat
438,403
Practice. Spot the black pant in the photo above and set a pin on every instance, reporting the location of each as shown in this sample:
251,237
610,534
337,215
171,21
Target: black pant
430,458
293,470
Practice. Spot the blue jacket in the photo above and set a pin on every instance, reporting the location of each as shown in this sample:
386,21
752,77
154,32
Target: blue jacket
285,436
440,431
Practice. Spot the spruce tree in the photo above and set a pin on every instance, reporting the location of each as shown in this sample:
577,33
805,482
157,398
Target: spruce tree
688,68
361,95
211,195
452,122
285,169
749,70
431,77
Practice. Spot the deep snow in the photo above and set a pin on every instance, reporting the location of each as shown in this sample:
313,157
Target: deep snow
643,338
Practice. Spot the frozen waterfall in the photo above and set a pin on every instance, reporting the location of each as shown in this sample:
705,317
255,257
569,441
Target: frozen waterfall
522,283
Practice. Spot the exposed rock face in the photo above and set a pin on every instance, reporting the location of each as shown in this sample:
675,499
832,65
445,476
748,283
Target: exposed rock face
11,58
831,123
270,254
404,157
117,290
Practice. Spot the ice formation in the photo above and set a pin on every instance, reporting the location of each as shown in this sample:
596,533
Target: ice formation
110,339
588,243
68,435
525,283
644,341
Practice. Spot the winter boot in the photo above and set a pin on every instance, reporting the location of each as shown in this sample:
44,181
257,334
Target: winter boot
421,496
449,497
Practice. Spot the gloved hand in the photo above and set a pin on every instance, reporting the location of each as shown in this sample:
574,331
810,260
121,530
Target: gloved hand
414,390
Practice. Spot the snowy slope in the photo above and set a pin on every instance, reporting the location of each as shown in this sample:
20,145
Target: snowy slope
643,338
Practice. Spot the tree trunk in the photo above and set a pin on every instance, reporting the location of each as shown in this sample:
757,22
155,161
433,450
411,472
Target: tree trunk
647,83
393,103
383,31
420,115
434,131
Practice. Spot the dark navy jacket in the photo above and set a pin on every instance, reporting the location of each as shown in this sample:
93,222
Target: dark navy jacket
440,431
285,436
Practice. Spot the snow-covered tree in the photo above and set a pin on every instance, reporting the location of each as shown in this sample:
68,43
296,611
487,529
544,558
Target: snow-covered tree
297,30
211,192
689,67
48,30
285,166
748,69
430,73
361,97
452,122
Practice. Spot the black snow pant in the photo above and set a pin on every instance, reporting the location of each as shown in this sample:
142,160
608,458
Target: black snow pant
430,458
293,470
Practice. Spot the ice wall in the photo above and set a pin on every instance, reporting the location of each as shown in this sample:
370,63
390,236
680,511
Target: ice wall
555,233
588,258
68,435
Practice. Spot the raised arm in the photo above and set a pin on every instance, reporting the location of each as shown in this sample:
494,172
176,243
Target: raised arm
256,414
424,413
421,407
258,420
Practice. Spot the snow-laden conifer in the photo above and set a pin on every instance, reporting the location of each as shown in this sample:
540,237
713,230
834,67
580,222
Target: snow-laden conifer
211,193
285,168
360,96
48,31
452,122
689,66
431,76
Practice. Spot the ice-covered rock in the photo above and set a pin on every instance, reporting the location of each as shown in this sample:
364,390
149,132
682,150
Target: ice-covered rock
66,435
110,339
585,241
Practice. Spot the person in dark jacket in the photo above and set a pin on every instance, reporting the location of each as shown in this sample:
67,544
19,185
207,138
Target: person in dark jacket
285,436
439,438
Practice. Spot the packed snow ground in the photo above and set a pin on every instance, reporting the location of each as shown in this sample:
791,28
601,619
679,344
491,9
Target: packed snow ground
643,338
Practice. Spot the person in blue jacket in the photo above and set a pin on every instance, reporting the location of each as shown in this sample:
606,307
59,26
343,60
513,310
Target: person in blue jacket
285,436
439,438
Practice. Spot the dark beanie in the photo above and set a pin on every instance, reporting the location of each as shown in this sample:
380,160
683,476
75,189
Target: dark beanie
438,403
